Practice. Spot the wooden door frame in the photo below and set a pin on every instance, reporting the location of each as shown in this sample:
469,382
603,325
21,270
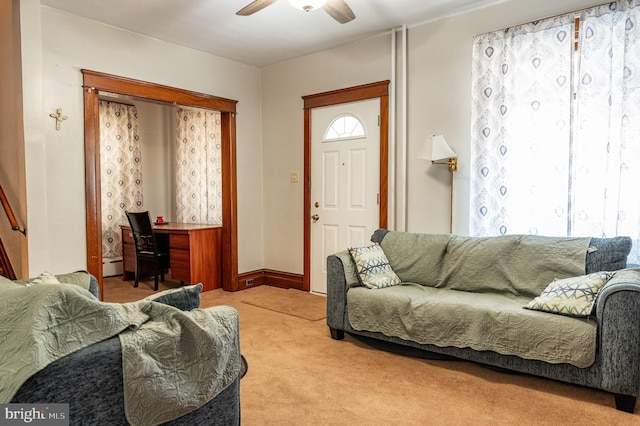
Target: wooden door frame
352,94
93,83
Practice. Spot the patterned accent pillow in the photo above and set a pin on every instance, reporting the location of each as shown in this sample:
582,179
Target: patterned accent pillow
573,297
184,298
373,267
44,278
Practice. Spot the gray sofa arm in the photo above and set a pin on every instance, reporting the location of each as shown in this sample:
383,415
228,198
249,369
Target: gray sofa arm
336,295
341,275
618,317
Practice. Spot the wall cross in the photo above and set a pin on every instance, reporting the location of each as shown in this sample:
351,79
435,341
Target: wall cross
59,117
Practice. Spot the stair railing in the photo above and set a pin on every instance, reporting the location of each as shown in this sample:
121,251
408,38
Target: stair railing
7,209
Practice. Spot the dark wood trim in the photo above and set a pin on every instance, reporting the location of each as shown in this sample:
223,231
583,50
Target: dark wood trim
384,161
157,92
271,278
229,204
306,285
353,94
94,82
6,269
92,184
256,276
283,279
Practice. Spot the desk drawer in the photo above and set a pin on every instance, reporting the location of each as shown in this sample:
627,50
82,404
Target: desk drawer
179,241
127,236
180,265
129,257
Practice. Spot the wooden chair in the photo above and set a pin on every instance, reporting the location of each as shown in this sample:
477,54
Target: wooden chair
146,247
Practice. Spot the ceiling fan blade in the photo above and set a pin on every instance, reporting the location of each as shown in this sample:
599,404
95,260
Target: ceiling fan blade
254,7
339,10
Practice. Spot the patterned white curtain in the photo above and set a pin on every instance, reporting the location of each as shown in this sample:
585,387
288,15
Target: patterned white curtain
546,162
607,125
198,166
120,171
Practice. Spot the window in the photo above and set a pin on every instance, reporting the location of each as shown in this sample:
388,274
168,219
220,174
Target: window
345,126
555,119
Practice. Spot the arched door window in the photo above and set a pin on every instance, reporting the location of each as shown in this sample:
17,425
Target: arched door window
345,126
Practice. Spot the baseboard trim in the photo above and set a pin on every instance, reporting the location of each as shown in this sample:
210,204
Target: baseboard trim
270,277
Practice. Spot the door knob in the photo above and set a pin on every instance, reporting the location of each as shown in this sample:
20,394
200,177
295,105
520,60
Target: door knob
315,217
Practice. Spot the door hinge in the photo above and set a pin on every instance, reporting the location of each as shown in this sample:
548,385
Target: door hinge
378,197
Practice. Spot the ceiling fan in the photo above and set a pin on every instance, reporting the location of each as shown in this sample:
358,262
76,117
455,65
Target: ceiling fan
337,9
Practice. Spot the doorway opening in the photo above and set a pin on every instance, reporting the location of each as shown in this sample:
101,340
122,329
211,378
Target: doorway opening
94,83
379,90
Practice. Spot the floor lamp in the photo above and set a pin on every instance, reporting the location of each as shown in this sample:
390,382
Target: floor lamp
441,153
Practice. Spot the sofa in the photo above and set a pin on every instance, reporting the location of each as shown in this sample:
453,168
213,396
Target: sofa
92,379
562,308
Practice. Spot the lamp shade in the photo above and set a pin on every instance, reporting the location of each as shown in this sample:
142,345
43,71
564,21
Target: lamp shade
440,149
307,5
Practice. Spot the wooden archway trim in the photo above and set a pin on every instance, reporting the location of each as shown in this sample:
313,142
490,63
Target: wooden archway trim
93,83
352,94
156,92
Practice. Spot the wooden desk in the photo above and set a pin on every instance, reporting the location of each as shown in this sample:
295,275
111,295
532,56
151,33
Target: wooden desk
194,252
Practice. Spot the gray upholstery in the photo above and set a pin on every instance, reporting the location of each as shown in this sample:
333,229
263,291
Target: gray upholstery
617,365
610,254
94,287
90,381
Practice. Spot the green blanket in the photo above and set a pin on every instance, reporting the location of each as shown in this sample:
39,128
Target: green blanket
520,265
79,278
469,292
481,321
173,361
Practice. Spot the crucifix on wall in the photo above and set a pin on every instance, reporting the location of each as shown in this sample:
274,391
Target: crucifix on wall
59,117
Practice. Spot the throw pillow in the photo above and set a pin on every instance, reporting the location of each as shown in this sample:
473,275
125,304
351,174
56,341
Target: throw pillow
184,298
44,278
573,297
373,267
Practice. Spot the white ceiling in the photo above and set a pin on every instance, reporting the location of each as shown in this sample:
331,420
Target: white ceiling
275,34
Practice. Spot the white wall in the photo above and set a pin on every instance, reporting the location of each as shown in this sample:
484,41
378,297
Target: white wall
57,45
439,99
55,160
283,135
156,125
440,102
34,142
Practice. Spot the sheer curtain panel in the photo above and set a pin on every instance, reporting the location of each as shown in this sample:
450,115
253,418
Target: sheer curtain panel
554,147
198,166
120,171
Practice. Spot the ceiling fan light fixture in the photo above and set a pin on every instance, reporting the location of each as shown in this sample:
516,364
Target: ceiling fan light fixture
307,5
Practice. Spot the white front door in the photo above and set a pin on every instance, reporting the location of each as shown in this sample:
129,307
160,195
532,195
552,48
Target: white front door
345,170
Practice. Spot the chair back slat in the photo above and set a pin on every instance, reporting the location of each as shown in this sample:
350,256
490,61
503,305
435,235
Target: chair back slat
142,231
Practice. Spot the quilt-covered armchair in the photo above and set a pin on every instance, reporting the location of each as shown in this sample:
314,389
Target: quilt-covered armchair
156,361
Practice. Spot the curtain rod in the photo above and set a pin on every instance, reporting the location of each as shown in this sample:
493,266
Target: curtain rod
120,103
554,16
568,13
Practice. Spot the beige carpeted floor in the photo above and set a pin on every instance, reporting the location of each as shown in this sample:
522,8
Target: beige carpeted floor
298,375
290,302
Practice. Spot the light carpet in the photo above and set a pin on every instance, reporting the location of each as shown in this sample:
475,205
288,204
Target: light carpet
298,375
292,302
